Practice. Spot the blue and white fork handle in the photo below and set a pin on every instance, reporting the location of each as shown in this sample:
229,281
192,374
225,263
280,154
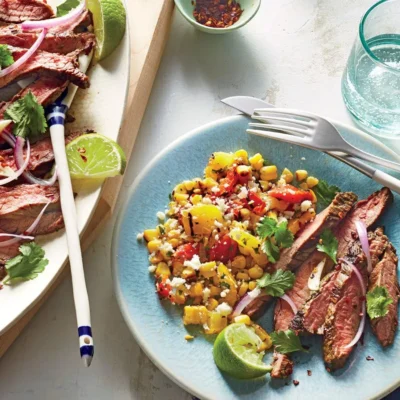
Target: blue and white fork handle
55,115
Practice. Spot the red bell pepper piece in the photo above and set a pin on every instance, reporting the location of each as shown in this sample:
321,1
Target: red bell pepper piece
290,194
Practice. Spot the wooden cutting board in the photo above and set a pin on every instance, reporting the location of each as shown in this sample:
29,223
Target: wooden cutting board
149,22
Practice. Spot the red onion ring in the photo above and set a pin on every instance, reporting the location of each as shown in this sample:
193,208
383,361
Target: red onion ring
363,310
363,236
37,220
19,152
25,57
290,302
53,22
245,301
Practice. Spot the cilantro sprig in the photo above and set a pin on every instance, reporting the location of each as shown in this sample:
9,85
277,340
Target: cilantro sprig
378,301
6,58
278,283
28,116
26,265
275,236
66,7
328,244
286,342
325,193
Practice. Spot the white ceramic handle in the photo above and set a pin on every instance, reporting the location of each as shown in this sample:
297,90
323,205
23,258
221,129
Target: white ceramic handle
387,180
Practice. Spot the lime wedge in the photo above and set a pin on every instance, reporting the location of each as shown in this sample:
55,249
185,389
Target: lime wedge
95,156
235,352
109,19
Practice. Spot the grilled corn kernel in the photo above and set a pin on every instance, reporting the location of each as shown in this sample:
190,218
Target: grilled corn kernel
303,186
215,323
174,243
196,290
275,204
239,262
179,297
196,199
263,335
311,182
242,276
244,287
154,245
294,226
245,213
243,155
151,234
179,189
209,172
314,197
177,268
162,269
189,337
189,185
287,175
243,319
215,291
181,198
209,183
257,161
156,258
208,270
212,304
193,315
252,285
306,217
244,171
269,173
188,273
301,174
272,214
198,300
255,272
264,185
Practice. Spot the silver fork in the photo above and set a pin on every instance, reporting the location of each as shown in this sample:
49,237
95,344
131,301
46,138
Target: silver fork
310,131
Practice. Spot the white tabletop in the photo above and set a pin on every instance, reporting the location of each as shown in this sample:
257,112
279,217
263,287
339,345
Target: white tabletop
292,54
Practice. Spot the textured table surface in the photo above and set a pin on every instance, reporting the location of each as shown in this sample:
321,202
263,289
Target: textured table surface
292,54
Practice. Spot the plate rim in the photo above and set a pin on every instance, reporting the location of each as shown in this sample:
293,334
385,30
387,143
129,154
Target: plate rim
40,296
116,234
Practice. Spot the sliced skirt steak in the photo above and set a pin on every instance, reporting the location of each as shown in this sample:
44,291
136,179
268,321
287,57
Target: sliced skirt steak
22,10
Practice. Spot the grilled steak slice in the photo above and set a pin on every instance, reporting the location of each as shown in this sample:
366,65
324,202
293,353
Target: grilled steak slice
282,366
62,43
42,156
42,63
385,274
368,211
23,10
21,204
311,317
344,311
305,243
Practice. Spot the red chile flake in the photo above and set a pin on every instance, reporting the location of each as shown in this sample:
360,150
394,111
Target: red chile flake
309,372
295,382
217,13
369,358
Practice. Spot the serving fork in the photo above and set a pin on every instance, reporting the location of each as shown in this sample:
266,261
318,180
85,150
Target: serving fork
308,130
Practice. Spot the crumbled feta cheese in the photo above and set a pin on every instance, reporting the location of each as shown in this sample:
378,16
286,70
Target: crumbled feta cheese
303,159
281,182
166,247
172,223
139,236
161,215
243,192
224,309
288,214
311,210
177,282
229,217
245,224
221,205
224,293
215,189
305,205
281,219
218,224
216,237
193,263
206,294
206,200
152,268
188,286
206,327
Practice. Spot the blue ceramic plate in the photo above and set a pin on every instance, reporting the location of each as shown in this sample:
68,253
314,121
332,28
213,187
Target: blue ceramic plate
158,327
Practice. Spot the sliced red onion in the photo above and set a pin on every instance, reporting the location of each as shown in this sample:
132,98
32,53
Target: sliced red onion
25,57
245,301
363,236
37,220
290,302
19,152
9,138
363,310
53,22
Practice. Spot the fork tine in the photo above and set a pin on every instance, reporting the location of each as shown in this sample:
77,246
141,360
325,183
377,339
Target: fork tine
279,136
283,119
284,128
286,112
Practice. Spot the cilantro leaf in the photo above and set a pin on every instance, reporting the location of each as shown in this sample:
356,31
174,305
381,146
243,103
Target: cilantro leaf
66,7
278,283
286,342
378,301
28,116
271,250
325,193
6,58
328,244
266,228
284,238
26,265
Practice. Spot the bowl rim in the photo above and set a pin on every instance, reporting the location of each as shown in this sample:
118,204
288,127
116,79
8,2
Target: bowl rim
231,28
116,238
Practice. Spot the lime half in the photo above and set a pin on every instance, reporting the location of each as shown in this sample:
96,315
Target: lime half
95,156
235,352
109,19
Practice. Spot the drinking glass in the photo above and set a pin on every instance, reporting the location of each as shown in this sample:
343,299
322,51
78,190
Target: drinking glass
371,80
